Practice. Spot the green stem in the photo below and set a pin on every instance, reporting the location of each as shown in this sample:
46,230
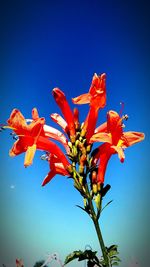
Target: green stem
98,230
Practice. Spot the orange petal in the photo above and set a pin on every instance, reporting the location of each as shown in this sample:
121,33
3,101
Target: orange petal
29,155
16,119
131,138
120,152
101,128
17,148
101,137
114,126
49,177
82,99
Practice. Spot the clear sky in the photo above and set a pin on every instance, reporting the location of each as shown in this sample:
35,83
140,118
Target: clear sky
45,44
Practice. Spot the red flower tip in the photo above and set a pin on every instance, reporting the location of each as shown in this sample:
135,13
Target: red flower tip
58,95
61,101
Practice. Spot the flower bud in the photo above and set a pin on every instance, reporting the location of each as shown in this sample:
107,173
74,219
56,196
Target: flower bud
94,177
88,148
94,188
70,144
81,180
97,200
77,143
74,151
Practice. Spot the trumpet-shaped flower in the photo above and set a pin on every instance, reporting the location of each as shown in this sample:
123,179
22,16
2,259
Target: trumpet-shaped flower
32,137
56,167
96,98
61,101
97,93
115,141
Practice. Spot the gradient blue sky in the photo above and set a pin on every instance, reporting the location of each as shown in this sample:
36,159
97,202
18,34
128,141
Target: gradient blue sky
45,44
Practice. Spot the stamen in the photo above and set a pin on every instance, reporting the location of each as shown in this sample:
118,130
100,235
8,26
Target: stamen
122,108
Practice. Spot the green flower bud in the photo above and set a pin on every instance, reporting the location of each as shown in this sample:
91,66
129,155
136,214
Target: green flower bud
97,200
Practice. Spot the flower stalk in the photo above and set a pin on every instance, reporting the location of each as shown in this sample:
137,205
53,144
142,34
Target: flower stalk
85,166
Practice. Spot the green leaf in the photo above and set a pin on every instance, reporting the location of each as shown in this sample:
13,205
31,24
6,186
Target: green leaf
82,255
106,205
112,247
72,256
115,263
115,258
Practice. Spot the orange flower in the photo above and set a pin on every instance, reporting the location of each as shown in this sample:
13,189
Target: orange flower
51,132
56,167
97,93
31,137
115,141
61,101
96,97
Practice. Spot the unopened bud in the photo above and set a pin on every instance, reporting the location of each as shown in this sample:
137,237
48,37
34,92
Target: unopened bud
69,169
94,177
74,151
77,143
81,180
83,132
98,201
80,138
99,185
72,138
81,169
94,188
88,148
70,144
83,159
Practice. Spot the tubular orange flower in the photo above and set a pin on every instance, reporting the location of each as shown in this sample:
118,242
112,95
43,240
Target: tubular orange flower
96,97
56,167
97,93
51,132
115,141
32,137
61,101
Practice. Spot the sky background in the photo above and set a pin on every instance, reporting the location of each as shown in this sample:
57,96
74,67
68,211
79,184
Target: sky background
45,44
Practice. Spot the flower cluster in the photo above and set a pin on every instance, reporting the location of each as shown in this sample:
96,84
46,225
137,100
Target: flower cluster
77,138
86,166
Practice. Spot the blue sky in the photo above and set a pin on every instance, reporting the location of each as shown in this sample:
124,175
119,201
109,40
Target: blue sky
45,44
